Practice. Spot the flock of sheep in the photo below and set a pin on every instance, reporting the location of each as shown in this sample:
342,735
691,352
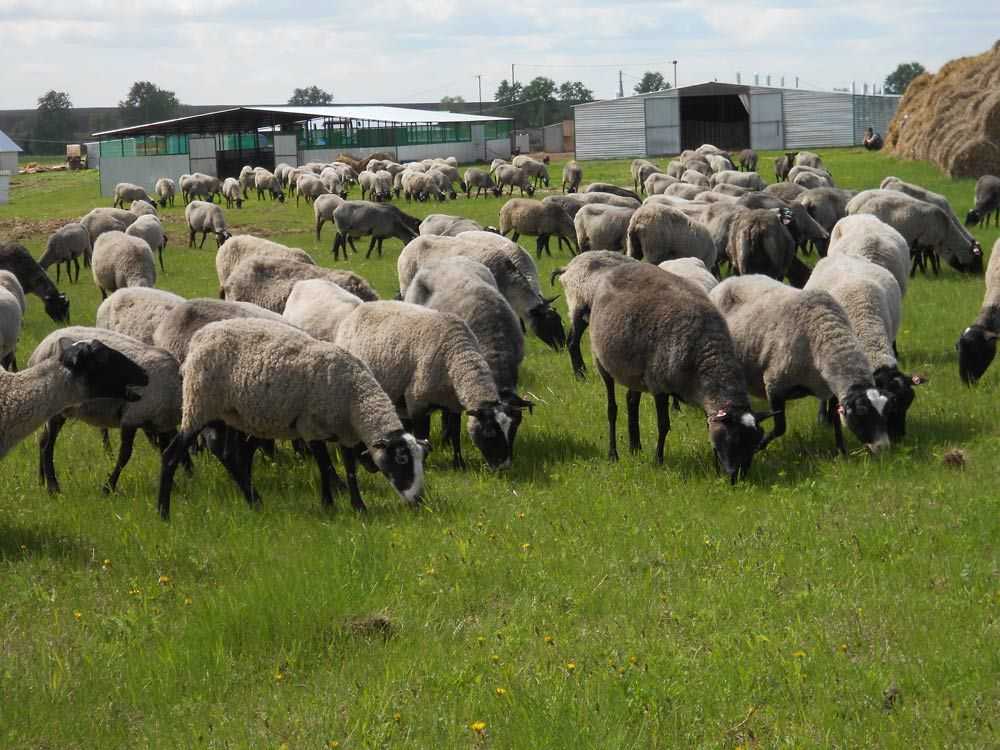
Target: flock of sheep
296,351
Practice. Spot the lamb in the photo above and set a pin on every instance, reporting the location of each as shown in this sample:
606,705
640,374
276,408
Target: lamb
657,183
83,371
229,376
323,208
515,273
480,180
232,192
602,227
693,270
606,188
205,217
977,345
157,411
987,200
33,280
658,333
507,175
424,359
657,233
122,260
239,248
360,218
448,226
525,216
265,182
535,169
873,302
11,316
572,177
126,192
785,190
759,243
783,165
317,306
792,343
695,178
167,189
150,229
136,311
807,159
750,180
867,236
748,160
66,245
927,229
267,281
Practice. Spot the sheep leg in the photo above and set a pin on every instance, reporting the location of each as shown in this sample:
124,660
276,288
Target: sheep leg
577,326
124,455
162,267
168,467
76,264
191,239
609,386
105,440
777,404
204,236
351,468
935,262
354,248
838,430
46,454
454,433
330,483
319,228
371,246
539,245
632,399
336,246
662,401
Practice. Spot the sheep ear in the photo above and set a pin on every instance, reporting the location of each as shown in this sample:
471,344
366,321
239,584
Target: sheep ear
426,446
379,444
990,335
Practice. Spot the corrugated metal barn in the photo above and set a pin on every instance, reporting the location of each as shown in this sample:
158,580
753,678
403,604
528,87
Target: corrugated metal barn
8,164
730,116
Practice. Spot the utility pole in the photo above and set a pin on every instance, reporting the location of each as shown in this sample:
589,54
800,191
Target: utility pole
512,75
479,76
675,73
621,88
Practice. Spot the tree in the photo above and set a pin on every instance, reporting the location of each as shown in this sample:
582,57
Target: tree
651,81
55,117
539,89
507,94
311,95
448,100
147,102
897,81
575,91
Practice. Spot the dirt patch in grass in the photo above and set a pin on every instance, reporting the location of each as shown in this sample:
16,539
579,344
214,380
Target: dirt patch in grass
15,229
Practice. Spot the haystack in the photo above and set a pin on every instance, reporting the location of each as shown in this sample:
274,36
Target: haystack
952,118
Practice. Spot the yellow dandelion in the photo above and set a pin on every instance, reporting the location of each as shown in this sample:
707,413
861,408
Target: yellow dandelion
279,676
106,564
481,640
187,601
798,654
397,717
494,658
570,666
633,660
333,744
478,727
520,515
501,692
430,572
525,547
549,639
843,648
163,580
77,614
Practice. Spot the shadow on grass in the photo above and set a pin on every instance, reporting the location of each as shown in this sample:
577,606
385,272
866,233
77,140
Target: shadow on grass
17,543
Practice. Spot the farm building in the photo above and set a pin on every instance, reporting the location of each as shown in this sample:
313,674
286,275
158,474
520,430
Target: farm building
8,165
220,143
730,116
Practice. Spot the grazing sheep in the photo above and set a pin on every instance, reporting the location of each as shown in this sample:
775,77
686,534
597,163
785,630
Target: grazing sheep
535,169
759,243
720,163
101,220
443,182
695,178
246,180
201,187
750,180
120,261
239,248
606,188
11,316
642,174
810,180
232,192
572,202
156,412
928,196
977,345
418,186
447,175
657,183
179,325
658,333
309,187
748,160
803,228
657,232
267,281
785,190
323,208
151,230
807,159
693,270
66,245
526,216
83,371
698,165
166,189
9,282
141,208
126,192
136,311
826,206
480,180
708,148
265,182
507,175
334,182
33,280
448,226
205,217
229,376
361,218
873,302
683,190
317,306
572,177
377,186
735,191
987,201
602,227
783,165
793,343
867,236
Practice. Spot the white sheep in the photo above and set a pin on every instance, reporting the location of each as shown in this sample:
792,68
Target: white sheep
166,189
122,261
244,246
317,306
867,236
136,311
67,245
205,217
232,192
151,230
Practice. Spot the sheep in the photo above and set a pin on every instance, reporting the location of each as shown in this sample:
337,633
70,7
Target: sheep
573,202
526,216
83,371
309,187
151,230
657,233
232,192
136,311
480,180
201,187
120,261
33,280
323,208
783,165
748,160
239,248
229,376
635,167
157,411
803,227
334,182
11,316
448,226
267,281
642,174
987,200
366,180
977,346
507,175
443,181
683,190
535,169
675,169
810,180
9,282
928,196
178,325
736,191
66,245
698,165
425,359
873,302
448,175
802,169
246,180
695,178
826,206
656,183
466,288
101,220
166,189
759,243
867,236
658,333
602,227
787,191
514,270
205,217
720,163
927,229
360,218
317,306
807,159
692,269
419,186
792,343
712,196
126,192
265,182
750,180
707,148
141,208
572,177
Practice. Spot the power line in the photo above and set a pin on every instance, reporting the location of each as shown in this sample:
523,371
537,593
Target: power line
593,65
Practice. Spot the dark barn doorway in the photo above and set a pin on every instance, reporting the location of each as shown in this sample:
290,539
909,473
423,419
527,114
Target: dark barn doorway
236,150
719,119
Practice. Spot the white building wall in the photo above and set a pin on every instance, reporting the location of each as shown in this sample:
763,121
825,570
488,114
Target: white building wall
4,190
142,170
202,153
816,119
611,129
8,168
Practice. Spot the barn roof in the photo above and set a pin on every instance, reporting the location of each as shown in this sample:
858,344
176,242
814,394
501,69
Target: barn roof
6,144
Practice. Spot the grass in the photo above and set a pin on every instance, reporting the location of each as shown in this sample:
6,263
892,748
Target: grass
569,602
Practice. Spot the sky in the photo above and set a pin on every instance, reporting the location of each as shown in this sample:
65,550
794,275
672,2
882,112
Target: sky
259,51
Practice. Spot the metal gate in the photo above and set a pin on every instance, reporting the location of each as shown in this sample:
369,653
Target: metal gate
766,130
663,125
